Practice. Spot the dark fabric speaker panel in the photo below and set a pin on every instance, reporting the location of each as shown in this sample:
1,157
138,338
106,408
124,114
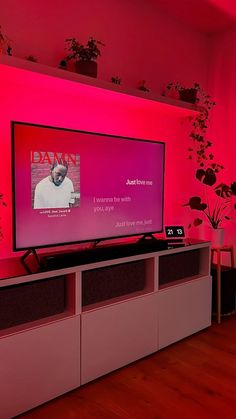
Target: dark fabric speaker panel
228,283
110,282
178,266
30,301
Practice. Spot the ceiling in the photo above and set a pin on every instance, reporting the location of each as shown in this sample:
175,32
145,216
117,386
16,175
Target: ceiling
208,16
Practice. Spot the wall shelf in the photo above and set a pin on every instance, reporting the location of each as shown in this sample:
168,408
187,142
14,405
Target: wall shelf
12,64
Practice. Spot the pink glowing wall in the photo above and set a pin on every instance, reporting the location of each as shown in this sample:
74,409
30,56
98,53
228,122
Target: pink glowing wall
141,41
150,46
43,99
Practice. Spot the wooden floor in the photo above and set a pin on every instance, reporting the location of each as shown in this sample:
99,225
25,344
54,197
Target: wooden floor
194,378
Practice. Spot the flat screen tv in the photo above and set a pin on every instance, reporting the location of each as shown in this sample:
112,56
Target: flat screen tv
73,186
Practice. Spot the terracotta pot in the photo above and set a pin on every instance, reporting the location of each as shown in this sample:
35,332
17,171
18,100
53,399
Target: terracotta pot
216,236
188,95
87,68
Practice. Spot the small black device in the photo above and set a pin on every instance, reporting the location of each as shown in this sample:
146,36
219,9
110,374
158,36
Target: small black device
175,234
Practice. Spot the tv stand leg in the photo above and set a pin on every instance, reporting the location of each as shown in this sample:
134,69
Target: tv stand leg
25,256
146,238
95,243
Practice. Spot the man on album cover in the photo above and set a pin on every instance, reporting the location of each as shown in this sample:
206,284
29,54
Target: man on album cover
55,190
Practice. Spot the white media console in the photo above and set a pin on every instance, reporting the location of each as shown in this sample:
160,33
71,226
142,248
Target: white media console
65,327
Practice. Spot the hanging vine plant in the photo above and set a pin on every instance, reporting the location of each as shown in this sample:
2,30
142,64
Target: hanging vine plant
215,211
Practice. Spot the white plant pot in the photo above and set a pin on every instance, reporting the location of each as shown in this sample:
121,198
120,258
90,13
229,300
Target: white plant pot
216,237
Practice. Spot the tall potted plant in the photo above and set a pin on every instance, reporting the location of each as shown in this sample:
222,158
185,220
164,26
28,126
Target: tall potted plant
84,56
215,206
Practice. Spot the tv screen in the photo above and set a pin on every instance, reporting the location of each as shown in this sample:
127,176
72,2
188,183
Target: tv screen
73,186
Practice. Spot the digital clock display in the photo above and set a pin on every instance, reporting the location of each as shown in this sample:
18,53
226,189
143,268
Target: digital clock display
174,231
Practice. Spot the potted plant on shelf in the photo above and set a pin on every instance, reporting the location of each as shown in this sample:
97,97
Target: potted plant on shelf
116,80
191,94
31,58
142,86
218,196
5,43
84,56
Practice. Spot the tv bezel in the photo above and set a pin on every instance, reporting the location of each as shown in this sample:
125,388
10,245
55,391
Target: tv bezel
94,240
